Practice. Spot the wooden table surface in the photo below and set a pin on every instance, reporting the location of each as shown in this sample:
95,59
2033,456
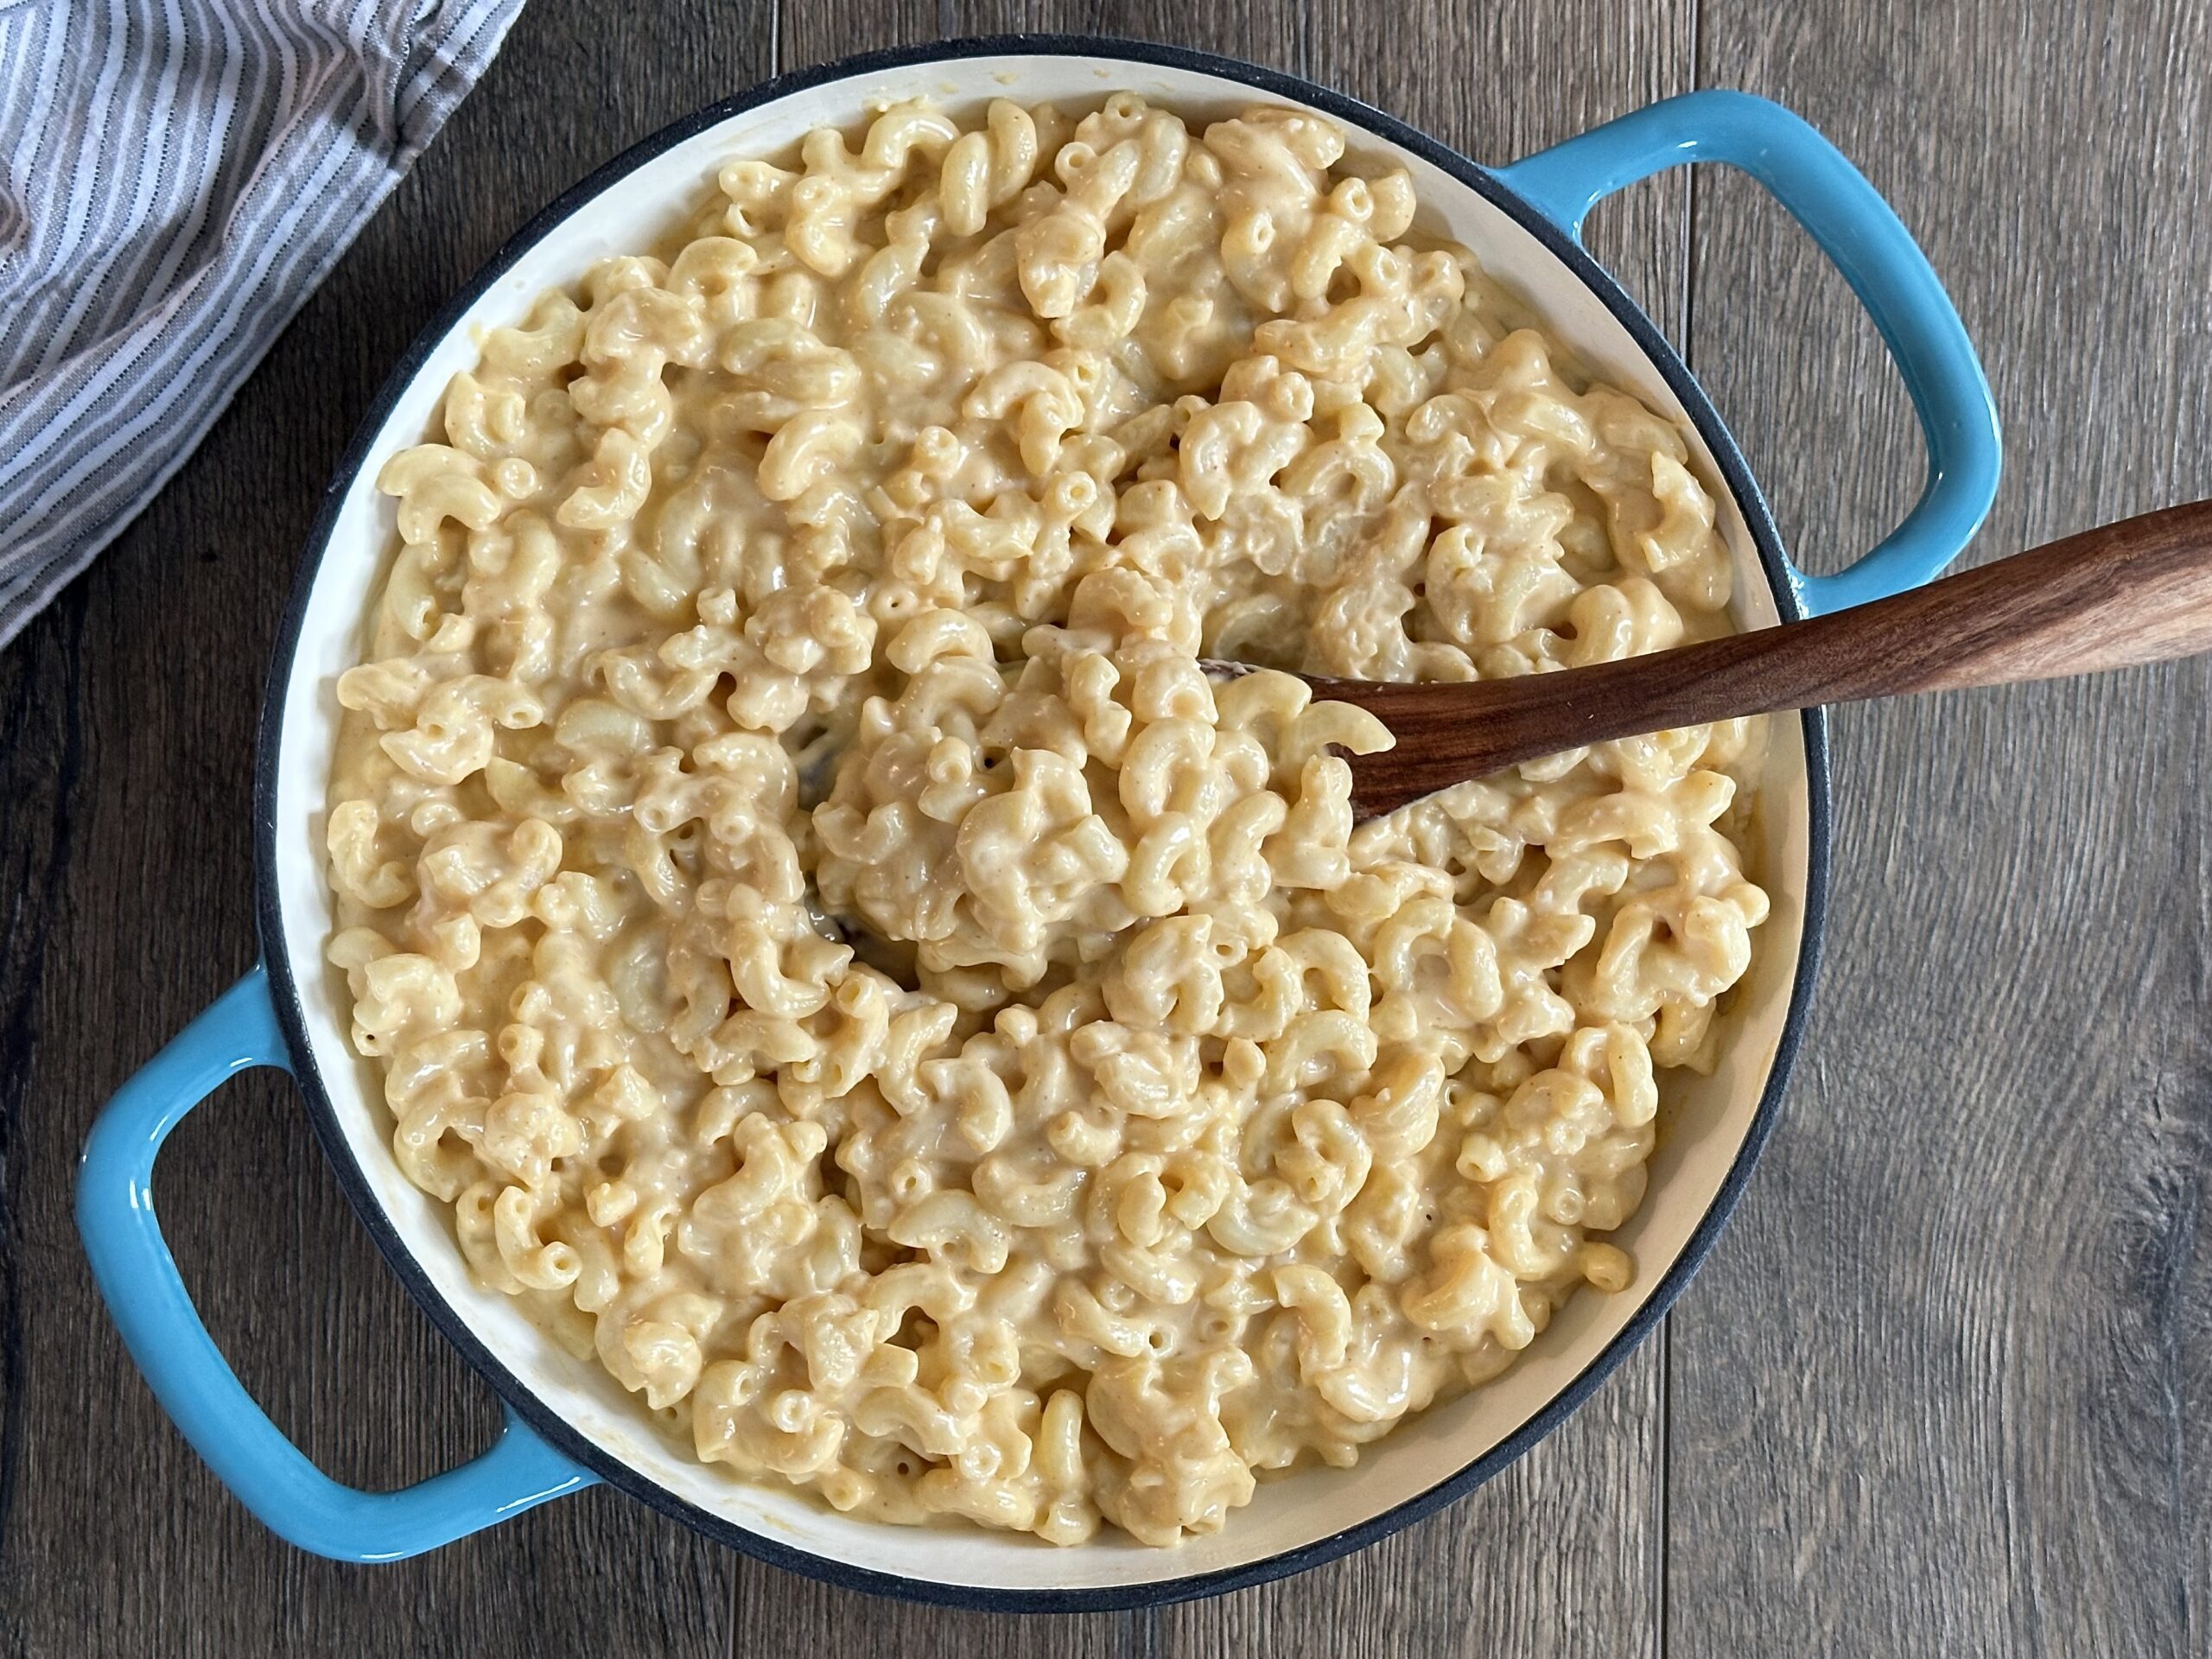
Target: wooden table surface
1946,1385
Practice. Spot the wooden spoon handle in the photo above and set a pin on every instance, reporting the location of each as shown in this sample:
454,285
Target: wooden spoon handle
2138,591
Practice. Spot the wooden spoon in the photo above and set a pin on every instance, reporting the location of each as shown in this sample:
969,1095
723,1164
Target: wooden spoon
2138,591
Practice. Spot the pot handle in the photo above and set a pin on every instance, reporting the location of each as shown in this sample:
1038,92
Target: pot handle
189,1375
1878,256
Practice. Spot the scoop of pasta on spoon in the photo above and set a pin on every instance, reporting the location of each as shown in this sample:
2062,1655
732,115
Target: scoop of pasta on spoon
2137,591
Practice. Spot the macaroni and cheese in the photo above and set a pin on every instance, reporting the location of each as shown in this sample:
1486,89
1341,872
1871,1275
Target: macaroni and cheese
846,963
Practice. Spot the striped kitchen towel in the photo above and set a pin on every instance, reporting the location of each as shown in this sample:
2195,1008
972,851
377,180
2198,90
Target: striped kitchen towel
179,176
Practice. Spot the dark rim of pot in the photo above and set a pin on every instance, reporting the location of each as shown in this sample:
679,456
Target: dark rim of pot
285,991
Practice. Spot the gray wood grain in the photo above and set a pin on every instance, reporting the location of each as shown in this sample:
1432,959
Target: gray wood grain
1943,1387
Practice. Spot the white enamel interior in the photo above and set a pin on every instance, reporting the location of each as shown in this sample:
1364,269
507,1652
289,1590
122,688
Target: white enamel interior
1706,1123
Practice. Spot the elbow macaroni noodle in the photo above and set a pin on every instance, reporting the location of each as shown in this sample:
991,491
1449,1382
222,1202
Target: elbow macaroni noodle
851,970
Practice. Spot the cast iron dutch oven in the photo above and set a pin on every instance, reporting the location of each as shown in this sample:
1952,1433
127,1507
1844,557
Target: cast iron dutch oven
568,1424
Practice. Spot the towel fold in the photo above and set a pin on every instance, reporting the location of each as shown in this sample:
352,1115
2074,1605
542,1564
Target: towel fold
179,175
